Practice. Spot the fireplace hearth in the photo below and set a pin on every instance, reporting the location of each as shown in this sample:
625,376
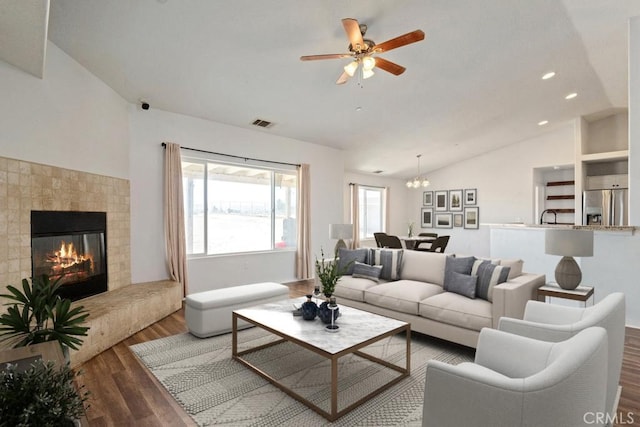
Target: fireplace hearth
71,247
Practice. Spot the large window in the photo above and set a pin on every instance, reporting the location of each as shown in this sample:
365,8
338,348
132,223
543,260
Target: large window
371,214
236,208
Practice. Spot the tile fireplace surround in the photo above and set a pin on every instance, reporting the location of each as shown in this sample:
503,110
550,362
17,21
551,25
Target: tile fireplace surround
26,186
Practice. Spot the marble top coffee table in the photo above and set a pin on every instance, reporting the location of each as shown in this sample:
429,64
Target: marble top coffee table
358,329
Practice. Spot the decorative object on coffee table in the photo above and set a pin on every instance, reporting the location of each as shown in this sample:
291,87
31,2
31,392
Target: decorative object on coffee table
325,311
329,272
333,307
309,309
568,243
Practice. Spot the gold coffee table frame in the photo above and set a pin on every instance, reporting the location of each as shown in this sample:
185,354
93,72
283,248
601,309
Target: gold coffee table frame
332,356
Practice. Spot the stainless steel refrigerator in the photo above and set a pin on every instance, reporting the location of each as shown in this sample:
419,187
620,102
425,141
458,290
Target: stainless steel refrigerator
605,207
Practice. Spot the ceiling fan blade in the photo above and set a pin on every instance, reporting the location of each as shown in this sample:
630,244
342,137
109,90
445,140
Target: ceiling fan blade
403,40
343,78
390,67
326,56
352,28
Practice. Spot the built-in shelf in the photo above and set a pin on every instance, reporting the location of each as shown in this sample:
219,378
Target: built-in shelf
606,156
559,183
562,197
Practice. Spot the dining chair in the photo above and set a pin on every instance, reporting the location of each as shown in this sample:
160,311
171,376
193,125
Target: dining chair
437,245
428,234
378,236
431,235
392,242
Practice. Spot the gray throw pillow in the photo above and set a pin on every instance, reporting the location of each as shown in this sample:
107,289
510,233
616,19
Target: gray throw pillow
489,275
389,259
348,258
366,271
452,265
463,284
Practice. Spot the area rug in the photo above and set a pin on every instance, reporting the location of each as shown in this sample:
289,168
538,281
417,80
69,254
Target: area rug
216,390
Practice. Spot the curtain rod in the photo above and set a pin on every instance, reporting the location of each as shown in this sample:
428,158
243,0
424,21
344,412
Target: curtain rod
366,185
164,145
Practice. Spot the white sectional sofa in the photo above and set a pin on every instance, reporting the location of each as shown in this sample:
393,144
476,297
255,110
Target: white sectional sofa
442,295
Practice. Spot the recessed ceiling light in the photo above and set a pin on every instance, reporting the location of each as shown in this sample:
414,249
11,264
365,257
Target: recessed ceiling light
571,96
358,108
543,122
548,75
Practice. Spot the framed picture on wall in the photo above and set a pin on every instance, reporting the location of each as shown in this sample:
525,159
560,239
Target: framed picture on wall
426,216
472,218
457,220
444,220
427,198
441,200
470,196
455,200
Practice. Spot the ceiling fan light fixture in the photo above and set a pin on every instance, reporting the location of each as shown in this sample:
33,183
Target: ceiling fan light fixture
367,73
351,68
368,62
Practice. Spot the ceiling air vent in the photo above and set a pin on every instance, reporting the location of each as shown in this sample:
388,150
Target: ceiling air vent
262,123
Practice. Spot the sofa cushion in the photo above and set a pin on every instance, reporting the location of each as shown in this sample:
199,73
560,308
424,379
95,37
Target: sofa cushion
367,271
456,265
348,257
454,309
463,284
389,259
353,287
401,295
515,267
489,275
423,267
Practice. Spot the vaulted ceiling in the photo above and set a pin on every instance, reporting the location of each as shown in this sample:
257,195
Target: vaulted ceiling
473,85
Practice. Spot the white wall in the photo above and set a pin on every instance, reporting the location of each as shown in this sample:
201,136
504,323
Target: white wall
504,182
69,119
150,128
634,121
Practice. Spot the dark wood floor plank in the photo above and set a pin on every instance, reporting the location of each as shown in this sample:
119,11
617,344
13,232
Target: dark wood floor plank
125,393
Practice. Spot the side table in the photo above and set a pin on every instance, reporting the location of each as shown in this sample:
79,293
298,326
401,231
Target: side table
551,289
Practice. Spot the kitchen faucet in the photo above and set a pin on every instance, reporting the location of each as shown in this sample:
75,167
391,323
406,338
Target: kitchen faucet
555,216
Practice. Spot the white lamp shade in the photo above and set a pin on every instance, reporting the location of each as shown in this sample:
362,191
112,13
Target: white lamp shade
568,242
341,231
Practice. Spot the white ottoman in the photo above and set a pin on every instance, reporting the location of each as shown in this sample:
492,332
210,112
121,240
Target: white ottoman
209,313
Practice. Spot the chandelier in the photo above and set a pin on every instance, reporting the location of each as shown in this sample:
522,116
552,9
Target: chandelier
418,181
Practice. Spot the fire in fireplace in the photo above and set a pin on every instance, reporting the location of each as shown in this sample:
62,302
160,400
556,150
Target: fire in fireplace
70,246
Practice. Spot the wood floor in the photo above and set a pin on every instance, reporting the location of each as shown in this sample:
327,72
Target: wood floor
124,393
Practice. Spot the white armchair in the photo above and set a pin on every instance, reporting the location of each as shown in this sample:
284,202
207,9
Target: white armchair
549,322
519,381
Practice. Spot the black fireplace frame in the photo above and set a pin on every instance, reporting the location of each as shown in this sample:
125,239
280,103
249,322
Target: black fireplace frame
54,223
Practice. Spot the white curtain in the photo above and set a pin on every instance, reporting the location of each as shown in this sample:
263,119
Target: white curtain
303,252
174,230
355,214
385,211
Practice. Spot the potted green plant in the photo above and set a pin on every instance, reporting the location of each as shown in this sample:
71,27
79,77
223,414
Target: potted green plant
328,271
40,395
38,314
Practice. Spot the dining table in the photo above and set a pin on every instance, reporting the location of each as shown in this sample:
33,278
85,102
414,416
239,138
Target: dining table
412,242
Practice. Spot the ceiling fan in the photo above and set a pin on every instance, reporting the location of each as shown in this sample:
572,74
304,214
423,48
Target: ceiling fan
361,50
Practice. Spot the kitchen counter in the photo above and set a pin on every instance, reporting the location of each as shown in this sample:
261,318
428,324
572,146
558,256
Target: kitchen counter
612,228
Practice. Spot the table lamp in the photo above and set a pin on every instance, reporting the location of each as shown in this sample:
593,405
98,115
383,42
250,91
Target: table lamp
568,243
341,232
